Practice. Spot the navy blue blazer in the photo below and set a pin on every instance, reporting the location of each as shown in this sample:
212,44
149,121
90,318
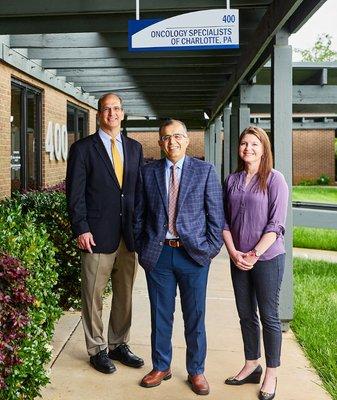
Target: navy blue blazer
200,215
96,202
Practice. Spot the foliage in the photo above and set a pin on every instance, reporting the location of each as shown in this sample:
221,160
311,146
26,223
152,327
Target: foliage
14,303
321,51
28,241
317,194
315,238
315,323
307,182
323,180
50,210
336,148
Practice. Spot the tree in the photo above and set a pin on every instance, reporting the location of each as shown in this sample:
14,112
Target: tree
321,51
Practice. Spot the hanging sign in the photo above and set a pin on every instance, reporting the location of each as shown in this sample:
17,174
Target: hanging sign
198,30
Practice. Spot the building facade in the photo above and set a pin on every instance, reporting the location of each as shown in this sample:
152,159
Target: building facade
38,123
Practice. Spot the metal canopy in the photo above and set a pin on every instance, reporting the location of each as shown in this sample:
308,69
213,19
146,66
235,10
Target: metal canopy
86,43
314,89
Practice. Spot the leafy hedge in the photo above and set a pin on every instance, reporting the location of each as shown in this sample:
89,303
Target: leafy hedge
23,238
50,210
14,303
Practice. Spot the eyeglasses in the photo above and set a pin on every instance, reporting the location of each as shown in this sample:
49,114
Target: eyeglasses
176,136
114,108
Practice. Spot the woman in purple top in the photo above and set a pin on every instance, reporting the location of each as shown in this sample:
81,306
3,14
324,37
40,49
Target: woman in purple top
255,199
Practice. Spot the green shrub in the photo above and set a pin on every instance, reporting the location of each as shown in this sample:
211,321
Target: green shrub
307,182
23,238
50,210
323,180
14,304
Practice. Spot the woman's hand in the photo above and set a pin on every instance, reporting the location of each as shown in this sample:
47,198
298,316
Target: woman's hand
250,257
240,261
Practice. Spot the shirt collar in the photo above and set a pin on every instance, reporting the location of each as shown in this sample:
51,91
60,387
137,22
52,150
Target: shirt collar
179,163
104,136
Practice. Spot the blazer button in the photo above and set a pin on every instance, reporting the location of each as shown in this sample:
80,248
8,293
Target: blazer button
120,214
122,195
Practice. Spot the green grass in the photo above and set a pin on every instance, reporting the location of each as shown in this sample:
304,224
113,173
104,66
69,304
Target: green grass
315,321
315,238
315,194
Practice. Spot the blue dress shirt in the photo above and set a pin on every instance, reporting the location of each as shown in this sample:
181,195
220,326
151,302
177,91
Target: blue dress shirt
106,139
179,165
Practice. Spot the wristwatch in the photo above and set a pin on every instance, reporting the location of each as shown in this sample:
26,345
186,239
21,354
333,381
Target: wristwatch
257,253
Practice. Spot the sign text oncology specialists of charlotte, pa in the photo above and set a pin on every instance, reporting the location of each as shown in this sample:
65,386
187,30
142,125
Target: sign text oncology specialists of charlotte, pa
199,30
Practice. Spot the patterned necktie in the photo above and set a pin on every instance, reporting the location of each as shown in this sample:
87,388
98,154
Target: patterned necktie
172,200
117,161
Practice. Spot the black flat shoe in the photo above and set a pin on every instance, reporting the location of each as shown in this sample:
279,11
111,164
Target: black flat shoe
254,377
102,363
266,395
123,354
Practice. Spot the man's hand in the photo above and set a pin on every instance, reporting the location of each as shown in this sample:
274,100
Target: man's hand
240,261
85,241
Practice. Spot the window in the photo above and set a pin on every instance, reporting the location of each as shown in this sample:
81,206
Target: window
77,123
25,137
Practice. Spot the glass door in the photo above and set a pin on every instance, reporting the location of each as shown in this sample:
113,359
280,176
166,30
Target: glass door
25,137
16,128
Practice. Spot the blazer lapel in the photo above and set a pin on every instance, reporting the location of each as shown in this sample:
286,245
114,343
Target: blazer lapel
185,182
105,157
160,177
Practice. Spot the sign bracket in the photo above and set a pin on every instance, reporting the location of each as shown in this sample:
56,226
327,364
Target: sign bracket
137,9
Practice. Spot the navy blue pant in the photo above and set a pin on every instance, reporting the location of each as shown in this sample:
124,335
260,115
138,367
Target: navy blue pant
260,288
176,267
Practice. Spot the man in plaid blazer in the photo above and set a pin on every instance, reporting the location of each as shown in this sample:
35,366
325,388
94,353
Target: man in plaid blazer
176,238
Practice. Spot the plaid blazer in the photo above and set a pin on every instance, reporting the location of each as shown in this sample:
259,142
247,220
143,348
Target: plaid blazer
200,215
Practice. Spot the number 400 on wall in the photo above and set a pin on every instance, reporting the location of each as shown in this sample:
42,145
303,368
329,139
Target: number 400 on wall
57,141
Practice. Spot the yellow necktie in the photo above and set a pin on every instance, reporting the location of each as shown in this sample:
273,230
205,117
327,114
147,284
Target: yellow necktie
118,165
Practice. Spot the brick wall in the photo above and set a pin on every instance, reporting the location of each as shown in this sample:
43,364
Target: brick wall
149,141
5,137
54,108
313,154
196,146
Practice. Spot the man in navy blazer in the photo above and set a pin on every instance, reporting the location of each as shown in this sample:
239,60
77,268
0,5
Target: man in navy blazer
102,173
175,244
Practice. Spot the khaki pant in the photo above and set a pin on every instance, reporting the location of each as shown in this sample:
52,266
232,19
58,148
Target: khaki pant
96,270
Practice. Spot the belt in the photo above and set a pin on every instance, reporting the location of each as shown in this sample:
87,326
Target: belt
174,242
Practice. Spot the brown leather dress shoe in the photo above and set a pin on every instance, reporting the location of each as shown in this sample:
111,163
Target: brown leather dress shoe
154,378
199,384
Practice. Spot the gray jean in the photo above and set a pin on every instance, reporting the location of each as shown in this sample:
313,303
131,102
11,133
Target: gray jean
260,288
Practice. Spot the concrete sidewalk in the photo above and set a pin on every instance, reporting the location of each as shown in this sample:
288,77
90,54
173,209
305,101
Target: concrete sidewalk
72,378
313,254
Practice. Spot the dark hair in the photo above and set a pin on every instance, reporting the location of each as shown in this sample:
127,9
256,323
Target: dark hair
107,95
266,163
169,122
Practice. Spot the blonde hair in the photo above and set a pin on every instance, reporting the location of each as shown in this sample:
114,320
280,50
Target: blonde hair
266,163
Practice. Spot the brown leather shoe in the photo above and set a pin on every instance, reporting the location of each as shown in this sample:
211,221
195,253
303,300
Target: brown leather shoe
154,378
199,384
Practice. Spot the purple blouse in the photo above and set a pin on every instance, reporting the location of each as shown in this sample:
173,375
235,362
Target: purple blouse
250,213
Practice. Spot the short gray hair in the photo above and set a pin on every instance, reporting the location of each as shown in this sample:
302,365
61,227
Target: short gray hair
169,122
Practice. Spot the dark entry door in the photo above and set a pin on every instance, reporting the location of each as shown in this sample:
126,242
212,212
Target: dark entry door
25,137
